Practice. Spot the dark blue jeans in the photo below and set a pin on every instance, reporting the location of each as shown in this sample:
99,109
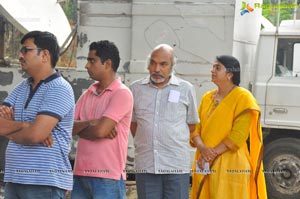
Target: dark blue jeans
98,188
24,191
163,186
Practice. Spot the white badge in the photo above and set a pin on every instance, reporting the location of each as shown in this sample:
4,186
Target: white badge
174,96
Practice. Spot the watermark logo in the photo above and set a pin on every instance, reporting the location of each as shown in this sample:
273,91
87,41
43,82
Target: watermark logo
246,8
272,7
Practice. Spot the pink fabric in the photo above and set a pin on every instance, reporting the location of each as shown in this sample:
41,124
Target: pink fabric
105,158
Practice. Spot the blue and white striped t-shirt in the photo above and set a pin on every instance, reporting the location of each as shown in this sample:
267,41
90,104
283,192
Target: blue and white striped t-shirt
37,164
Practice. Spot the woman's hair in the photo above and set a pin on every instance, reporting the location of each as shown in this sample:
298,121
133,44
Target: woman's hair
232,65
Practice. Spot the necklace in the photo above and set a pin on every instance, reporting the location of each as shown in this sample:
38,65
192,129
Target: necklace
213,104
215,101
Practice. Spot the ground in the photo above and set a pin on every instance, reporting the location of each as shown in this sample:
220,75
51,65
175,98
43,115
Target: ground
131,190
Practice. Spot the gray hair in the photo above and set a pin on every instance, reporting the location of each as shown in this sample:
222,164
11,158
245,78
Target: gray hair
165,46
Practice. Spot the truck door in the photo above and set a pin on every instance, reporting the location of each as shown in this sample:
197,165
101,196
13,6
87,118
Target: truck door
283,88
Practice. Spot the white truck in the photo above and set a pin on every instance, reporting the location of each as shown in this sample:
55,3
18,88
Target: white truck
198,31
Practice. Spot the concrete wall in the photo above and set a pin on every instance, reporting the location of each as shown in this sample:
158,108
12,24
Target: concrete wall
197,30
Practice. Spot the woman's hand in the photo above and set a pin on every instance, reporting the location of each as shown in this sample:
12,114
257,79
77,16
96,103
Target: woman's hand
207,153
201,163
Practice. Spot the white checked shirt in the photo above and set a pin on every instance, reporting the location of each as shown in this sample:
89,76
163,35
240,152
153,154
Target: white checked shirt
162,116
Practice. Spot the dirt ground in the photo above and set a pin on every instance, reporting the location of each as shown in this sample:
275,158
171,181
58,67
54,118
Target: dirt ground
131,190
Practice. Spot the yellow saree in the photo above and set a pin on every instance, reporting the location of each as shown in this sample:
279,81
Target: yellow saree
235,174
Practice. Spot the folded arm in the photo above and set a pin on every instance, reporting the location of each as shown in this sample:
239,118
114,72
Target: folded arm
35,132
95,129
26,132
7,125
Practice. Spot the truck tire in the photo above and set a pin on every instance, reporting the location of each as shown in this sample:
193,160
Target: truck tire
282,168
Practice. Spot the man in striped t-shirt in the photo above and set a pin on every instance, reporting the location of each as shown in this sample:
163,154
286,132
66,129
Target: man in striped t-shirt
39,112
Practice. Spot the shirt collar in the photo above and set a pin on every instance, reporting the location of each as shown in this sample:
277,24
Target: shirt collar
48,79
114,84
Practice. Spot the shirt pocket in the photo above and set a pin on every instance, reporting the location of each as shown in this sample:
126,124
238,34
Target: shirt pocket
175,112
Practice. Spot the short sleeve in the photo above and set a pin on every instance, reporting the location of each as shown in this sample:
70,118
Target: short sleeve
58,101
10,100
120,105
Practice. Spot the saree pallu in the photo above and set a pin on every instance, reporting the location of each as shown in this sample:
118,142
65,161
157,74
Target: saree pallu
237,173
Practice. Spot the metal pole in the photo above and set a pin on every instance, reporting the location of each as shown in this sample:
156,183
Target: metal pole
278,16
1,38
295,11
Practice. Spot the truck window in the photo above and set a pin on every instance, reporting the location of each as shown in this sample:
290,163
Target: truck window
287,63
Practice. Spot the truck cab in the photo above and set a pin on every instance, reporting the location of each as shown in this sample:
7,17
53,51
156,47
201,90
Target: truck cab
277,88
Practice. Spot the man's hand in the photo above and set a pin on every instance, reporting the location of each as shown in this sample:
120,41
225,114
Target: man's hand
7,112
48,142
95,129
112,134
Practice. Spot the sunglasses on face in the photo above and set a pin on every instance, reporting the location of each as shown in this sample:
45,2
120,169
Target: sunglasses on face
24,50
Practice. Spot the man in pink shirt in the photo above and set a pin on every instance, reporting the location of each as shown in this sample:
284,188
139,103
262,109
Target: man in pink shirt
102,122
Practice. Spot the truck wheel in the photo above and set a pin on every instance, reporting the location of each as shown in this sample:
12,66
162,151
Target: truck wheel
282,168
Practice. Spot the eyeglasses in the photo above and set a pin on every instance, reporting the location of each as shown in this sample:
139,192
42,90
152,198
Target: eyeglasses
24,50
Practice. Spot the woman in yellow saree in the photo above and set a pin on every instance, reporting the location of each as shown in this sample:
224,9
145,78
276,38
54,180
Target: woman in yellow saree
229,116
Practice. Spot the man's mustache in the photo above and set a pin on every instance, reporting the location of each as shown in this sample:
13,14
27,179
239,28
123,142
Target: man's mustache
157,73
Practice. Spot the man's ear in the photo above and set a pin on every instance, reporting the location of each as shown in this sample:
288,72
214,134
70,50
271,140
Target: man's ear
108,64
45,55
